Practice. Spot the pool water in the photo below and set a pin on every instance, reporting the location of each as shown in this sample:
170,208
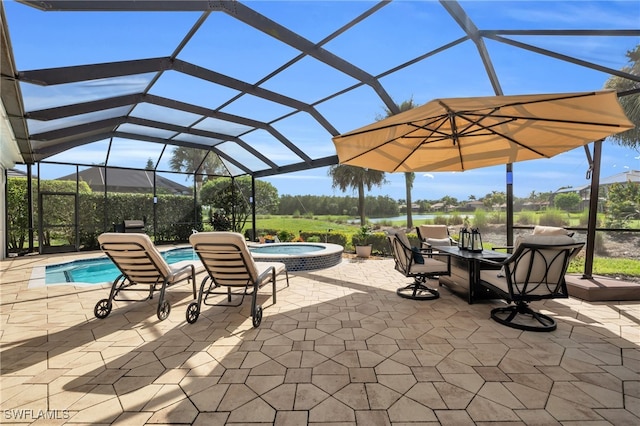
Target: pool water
100,270
286,249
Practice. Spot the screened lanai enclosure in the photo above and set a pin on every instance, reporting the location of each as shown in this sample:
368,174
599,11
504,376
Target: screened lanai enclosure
186,91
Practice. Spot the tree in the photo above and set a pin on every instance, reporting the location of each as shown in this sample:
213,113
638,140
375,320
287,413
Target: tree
233,198
623,204
228,201
494,199
356,178
567,201
196,161
631,103
149,165
409,177
266,201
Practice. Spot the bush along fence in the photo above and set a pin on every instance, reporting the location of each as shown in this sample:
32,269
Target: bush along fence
171,219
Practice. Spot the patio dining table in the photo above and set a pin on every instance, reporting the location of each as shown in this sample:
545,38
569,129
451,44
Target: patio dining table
465,271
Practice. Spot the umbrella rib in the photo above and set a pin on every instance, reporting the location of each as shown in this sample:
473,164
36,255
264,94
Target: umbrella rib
424,138
386,142
509,138
389,126
548,120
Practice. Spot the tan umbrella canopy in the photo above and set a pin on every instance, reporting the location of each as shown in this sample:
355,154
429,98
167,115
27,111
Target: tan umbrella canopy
459,134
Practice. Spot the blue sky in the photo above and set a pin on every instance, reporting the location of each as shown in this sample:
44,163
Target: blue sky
399,33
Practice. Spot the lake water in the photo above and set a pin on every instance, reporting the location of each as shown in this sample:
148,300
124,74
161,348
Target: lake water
415,217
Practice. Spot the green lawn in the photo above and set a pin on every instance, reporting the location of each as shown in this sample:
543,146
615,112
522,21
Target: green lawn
295,224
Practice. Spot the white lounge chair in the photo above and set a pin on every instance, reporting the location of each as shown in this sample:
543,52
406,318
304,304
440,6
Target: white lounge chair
140,264
229,263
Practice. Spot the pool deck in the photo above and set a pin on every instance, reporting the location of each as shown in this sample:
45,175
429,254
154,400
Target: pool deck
339,347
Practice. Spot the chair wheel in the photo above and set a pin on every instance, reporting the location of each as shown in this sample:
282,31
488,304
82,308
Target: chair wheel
163,310
257,316
102,309
193,311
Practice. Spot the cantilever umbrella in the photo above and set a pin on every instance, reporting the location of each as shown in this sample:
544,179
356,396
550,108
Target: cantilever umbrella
459,134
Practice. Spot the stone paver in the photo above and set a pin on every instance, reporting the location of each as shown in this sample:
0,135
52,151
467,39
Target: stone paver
339,347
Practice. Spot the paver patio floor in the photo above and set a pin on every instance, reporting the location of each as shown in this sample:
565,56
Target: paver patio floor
339,347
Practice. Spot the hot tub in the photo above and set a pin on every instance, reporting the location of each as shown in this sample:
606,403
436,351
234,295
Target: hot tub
299,256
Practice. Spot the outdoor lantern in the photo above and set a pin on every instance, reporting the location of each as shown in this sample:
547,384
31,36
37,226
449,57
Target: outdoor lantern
474,243
463,238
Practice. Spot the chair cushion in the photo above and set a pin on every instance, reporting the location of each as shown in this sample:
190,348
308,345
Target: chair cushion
435,242
430,266
549,230
402,236
434,231
233,241
136,242
546,240
541,239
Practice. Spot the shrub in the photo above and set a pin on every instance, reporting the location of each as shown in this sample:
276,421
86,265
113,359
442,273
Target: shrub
285,236
480,218
527,218
554,217
497,217
440,220
455,219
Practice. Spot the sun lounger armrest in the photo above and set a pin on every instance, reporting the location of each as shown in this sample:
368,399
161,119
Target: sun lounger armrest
271,270
192,271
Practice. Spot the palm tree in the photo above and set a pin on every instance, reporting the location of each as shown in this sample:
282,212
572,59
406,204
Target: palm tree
190,160
409,177
631,103
356,178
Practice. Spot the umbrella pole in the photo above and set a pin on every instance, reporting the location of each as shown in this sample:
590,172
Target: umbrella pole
593,210
510,205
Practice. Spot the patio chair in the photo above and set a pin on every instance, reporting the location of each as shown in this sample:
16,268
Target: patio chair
535,271
229,263
434,235
419,264
140,264
537,230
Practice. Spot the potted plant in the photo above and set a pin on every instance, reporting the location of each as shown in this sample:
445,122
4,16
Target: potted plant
362,241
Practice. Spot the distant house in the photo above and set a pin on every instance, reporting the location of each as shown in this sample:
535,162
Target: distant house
127,180
472,205
529,205
437,207
414,207
17,173
585,190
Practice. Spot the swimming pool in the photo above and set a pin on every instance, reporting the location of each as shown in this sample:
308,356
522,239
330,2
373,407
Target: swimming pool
297,257
101,269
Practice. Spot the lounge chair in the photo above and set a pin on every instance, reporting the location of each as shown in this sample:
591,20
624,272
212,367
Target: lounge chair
535,271
419,264
140,264
434,235
229,263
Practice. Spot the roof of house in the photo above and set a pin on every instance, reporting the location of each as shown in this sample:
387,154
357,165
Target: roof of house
127,179
623,177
